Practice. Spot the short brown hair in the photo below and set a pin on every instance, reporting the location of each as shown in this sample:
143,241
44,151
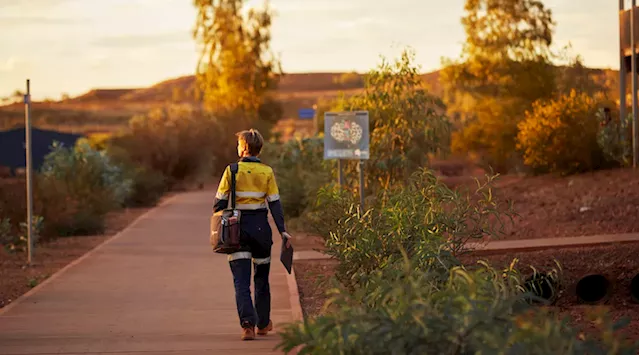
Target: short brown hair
252,140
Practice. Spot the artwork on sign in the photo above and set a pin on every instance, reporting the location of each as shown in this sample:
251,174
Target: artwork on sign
346,135
346,131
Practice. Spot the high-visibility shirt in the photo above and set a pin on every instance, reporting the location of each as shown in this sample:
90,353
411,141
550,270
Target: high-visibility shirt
255,184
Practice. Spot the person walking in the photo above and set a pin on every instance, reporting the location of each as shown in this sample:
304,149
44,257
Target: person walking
255,183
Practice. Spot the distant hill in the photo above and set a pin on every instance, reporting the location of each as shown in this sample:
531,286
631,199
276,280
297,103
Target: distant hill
101,95
110,109
295,91
290,83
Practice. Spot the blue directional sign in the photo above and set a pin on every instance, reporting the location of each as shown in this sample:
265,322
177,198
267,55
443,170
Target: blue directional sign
306,113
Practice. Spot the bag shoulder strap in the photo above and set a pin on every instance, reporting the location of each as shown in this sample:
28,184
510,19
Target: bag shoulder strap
234,170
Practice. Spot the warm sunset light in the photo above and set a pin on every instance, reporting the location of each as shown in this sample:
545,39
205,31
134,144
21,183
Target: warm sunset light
72,46
319,177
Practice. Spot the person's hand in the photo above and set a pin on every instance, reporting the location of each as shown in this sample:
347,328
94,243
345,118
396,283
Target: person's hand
286,237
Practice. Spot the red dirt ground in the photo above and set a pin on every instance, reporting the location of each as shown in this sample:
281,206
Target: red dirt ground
549,206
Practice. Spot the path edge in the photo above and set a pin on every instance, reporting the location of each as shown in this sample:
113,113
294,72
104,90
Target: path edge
294,297
81,258
294,303
482,250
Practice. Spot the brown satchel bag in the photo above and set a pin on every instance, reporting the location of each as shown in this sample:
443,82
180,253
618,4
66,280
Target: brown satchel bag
225,224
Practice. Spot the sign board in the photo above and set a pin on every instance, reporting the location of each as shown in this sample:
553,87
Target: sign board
346,135
306,113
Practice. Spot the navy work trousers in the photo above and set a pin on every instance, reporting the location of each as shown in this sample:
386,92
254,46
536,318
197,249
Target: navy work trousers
256,244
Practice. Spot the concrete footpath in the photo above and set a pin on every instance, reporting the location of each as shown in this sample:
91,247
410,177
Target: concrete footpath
155,288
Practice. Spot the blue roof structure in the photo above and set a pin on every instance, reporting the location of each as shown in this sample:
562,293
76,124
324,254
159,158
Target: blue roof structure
12,146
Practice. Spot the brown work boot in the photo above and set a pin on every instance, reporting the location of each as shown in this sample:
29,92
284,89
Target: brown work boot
248,333
266,330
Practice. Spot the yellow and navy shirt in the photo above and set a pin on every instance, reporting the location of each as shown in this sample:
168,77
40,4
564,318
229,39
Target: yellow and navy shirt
255,187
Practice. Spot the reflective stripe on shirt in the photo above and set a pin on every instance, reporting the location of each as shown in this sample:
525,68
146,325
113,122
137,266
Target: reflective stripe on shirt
251,206
250,194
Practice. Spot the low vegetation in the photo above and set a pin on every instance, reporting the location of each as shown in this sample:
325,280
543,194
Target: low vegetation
401,287
73,192
562,135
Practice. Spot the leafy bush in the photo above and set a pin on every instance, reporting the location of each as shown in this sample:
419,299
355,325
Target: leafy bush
184,143
403,291
178,142
13,242
300,171
490,135
147,188
5,231
424,218
77,187
561,135
13,199
615,137
406,124
97,141
441,309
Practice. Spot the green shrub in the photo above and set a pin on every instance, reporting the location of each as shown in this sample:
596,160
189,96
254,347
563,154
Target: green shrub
561,135
147,189
615,138
77,187
300,171
407,124
18,242
424,218
5,231
402,289
13,199
490,135
178,142
441,309
147,186
184,143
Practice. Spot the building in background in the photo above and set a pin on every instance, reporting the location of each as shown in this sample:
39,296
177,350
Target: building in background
12,146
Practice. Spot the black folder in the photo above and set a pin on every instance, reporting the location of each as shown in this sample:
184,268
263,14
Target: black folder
286,255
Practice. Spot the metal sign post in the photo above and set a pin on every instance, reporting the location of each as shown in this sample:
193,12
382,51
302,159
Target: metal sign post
346,136
628,64
622,73
361,173
27,106
340,175
634,83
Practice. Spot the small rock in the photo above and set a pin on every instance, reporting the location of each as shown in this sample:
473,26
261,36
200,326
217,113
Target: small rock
584,209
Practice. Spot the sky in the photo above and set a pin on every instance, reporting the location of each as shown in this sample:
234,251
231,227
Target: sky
72,46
